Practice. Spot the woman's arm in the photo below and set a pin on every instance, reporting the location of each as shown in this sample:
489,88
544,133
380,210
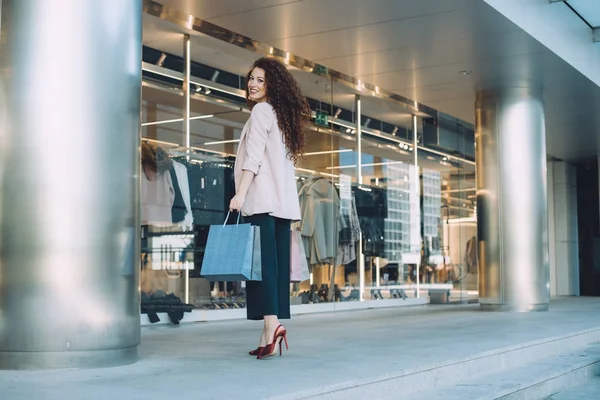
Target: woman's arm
238,200
261,120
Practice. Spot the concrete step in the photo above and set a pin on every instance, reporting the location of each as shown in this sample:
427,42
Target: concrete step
589,390
502,370
535,380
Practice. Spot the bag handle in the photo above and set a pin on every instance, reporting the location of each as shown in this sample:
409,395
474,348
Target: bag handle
227,217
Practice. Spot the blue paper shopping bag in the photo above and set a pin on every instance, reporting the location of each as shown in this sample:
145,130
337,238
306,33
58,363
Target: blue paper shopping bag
232,253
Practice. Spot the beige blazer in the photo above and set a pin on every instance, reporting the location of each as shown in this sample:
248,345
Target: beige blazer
262,151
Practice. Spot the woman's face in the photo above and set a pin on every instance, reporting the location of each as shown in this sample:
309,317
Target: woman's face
257,87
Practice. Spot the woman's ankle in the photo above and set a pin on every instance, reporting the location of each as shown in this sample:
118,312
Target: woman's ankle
271,323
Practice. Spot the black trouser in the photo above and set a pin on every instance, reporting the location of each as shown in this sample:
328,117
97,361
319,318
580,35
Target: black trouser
271,296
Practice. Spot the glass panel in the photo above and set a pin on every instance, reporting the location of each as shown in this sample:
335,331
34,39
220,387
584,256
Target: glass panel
197,185
319,200
457,265
164,243
387,202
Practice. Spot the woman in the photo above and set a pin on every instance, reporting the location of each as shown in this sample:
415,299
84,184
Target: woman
271,142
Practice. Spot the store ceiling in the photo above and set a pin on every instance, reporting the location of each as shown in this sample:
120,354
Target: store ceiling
416,48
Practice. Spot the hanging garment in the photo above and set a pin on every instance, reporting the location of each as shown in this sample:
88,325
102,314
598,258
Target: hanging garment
471,258
320,226
212,187
158,196
178,209
371,206
184,185
350,232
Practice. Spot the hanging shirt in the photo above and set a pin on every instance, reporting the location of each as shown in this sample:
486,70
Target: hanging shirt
184,186
158,196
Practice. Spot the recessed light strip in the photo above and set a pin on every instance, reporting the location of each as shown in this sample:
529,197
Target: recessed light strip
221,142
367,165
316,153
166,121
170,121
459,190
439,153
385,136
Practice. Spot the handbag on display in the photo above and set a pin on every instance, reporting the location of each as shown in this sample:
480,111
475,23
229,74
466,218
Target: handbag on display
298,262
232,253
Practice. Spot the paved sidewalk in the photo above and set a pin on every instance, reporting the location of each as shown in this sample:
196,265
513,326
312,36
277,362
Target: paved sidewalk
590,390
210,360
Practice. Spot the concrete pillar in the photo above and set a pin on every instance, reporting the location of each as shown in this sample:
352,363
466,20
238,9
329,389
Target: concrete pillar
564,235
70,72
511,201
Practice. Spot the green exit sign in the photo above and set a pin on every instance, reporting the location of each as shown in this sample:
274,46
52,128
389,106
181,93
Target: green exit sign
321,69
322,119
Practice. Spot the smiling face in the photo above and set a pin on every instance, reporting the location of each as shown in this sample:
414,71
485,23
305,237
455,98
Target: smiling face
257,87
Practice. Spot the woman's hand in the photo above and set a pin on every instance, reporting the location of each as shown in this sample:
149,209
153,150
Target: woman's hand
237,202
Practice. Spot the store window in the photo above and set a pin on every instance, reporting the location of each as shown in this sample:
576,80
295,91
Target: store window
383,219
458,264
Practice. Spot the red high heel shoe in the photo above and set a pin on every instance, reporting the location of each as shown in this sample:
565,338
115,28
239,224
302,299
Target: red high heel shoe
256,351
270,349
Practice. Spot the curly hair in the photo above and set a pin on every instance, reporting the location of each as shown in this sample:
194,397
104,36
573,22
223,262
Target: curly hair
292,109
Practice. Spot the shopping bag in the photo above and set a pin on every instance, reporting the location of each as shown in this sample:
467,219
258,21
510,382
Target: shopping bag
298,262
232,253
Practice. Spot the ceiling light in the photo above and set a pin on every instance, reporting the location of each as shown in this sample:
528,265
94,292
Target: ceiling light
166,121
202,117
215,76
169,121
337,113
395,130
207,91
316,153
161,59
198,89
222,142
466,72
348,130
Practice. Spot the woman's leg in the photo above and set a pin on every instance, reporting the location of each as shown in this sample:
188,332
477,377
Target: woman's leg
261,296
282,237
282,249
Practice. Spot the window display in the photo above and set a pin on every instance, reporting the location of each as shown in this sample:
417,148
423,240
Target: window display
390,235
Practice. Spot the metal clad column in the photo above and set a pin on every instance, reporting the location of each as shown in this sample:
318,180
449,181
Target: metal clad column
69,196
359,178
511,201
416,177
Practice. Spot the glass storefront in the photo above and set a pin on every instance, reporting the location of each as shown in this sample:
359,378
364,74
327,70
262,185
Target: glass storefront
387,211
